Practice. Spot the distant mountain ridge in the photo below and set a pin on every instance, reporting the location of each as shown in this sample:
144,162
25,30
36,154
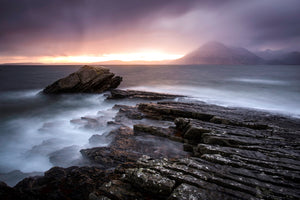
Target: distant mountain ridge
210,53
217,53
280,57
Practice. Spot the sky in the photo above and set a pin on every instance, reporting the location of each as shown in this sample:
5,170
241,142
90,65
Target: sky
100,30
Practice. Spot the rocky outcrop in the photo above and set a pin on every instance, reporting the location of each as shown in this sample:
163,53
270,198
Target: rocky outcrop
236,154
13,177
180,150
127,146
88,79
9,193
57,183
135,94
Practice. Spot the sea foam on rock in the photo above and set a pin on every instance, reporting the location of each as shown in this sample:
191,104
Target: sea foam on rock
88,79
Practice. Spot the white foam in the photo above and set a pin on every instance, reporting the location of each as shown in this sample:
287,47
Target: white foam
12,95
260,81
27,148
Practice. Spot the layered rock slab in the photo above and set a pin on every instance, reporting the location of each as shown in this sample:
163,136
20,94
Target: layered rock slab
88,79
128,147
136,94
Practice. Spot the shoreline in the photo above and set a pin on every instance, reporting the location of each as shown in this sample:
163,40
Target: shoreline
237,145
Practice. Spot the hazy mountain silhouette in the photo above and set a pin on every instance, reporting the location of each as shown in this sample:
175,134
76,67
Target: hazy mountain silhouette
218,53
269,54
292,58
280,57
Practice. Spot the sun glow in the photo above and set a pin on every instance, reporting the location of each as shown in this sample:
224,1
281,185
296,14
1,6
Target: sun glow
149,56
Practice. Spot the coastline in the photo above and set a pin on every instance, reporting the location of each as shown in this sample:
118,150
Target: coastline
180,149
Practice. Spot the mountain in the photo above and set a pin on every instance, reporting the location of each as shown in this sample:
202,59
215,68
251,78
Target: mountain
269,54
280,57
135,62
292,58
218,53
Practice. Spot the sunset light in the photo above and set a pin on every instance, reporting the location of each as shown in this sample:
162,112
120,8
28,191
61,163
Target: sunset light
147,56
157,99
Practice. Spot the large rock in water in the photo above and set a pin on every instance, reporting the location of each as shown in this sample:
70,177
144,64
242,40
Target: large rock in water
88,79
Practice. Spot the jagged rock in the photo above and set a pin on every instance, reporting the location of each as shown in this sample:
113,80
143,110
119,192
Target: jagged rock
150,181
118,152
63,183
13,177
187,192
130,112
88,79
127,147
135,94
9,193
93,196
117,189
170,133
217,180
236,154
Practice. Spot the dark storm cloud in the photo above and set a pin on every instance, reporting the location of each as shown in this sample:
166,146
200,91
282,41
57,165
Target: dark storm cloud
33,27
273,21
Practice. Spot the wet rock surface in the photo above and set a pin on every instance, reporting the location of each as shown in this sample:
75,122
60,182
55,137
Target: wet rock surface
59,183
182,150
135,94
235,153
127,146
88,79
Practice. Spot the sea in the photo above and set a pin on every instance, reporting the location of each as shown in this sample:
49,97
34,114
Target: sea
34,128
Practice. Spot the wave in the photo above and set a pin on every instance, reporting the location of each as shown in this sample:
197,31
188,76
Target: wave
13,95
260,81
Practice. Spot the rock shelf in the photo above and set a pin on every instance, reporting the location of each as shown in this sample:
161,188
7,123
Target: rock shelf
207,152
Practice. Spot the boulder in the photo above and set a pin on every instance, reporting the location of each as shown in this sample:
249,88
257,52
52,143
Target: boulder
88,79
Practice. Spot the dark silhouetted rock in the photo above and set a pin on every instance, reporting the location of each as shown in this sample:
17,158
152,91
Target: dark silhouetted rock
88,79
13,177
8,193
63,183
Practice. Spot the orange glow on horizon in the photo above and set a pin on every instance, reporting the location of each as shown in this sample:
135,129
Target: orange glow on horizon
148,56
80,59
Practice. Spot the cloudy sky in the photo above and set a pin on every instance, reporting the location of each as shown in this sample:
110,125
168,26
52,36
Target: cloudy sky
30,29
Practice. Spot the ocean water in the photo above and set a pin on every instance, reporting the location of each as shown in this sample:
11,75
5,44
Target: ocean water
34,127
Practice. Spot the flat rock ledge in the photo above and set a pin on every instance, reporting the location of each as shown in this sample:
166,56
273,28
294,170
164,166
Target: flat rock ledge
136,94
206,152
88,79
